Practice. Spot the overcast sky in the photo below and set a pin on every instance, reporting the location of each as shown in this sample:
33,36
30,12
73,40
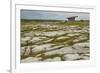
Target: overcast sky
51,15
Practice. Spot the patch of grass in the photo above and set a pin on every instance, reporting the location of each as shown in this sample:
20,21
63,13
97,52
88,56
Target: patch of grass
77,23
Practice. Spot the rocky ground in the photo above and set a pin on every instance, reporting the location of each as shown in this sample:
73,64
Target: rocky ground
54,41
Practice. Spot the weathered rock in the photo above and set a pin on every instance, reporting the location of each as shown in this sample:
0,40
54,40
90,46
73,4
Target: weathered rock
40,48
29,34
86,54
84,50
76,40
81,45
79,39
53,59
60,51
57,59
71,57
35,39
85,57
49,40
73,34
34,28
24,40
53,47
53,33
27,51
77,31
22,51
48,60
31,59
71,29
86,29
62,38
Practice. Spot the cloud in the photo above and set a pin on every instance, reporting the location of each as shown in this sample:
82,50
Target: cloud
40,14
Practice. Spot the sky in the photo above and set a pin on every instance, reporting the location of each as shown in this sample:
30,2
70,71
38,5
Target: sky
51,15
